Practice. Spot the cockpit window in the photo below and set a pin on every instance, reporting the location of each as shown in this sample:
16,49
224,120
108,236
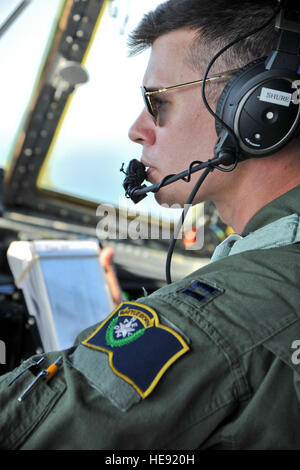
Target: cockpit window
22,57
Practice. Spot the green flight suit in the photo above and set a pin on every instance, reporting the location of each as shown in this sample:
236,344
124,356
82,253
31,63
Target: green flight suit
209,362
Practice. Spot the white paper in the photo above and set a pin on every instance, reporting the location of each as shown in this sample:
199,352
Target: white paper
64,287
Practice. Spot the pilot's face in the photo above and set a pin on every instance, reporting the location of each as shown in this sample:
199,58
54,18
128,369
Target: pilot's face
185,131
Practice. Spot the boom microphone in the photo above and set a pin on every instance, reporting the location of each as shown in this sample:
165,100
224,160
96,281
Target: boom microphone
136,174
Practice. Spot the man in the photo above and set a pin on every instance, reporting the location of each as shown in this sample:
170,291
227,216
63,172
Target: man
207,362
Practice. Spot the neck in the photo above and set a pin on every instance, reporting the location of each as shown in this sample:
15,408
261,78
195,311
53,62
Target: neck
259,182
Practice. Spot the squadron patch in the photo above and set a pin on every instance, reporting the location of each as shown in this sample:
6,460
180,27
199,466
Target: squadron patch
140,349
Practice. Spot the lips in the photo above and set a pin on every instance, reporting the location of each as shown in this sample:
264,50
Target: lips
145,163
149,169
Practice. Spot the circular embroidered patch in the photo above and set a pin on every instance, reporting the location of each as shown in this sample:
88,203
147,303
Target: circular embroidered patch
123,330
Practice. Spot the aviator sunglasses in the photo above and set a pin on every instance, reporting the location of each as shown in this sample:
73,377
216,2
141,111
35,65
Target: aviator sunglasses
152,104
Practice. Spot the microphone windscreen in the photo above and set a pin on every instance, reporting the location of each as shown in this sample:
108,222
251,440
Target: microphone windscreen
135,175
138,170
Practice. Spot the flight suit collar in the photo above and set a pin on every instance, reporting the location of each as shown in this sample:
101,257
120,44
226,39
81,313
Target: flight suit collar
277,224
286,204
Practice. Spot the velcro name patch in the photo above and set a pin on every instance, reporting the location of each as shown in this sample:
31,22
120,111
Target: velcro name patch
139,348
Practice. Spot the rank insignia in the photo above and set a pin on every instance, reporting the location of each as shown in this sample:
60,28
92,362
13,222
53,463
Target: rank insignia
201,291
140,349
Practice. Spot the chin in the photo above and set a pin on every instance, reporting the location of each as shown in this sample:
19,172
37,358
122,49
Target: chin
168,198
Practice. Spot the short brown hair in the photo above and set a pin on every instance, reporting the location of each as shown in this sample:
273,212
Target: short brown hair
218,23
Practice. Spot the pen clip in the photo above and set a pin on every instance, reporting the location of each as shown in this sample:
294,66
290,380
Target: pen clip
33,364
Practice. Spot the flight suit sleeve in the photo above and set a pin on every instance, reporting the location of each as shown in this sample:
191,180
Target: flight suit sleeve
148,377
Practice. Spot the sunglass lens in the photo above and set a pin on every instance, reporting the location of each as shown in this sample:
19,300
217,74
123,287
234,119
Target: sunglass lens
150,106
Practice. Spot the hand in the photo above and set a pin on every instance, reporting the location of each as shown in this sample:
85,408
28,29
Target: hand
106,259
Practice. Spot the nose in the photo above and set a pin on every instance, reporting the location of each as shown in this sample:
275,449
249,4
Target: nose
142,130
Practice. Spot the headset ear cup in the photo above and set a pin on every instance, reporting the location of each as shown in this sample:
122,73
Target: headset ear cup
225,93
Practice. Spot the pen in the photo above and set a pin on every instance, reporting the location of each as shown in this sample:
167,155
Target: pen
46,374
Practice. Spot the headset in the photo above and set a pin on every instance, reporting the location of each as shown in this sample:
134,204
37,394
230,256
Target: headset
259,103
257,114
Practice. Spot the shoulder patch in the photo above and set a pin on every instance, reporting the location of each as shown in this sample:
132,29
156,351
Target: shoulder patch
140,349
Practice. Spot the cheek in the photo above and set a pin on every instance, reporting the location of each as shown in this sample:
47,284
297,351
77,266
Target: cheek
197,119
205,121
189,135
197,136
